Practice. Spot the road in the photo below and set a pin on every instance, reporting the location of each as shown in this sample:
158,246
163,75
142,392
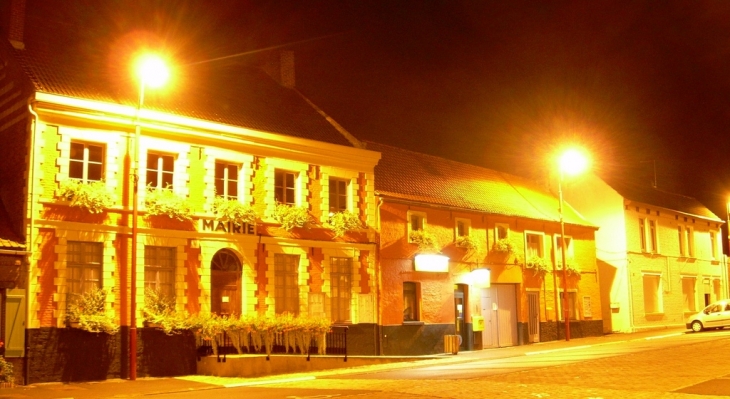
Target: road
679,365
672,364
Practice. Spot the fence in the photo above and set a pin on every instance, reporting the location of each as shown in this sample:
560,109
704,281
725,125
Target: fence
336,344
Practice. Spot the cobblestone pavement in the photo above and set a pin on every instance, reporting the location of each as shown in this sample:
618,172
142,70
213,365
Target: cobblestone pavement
650,374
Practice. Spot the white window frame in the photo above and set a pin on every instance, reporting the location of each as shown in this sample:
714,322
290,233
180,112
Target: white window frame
572,302
713,244
226,179
160,170
467,227
659,292
497,228
86,162
295,188
348,193
541,244
558,244
682,245
690,239
423,222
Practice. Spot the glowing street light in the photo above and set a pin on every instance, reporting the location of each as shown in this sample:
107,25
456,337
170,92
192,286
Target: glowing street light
152,72
571,162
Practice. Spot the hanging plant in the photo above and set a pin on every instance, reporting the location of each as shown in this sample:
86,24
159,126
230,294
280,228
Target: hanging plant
164,202
503,245
342,222
230,210
466,242
537,264
572,269
93,196
426,241
291,216
90,313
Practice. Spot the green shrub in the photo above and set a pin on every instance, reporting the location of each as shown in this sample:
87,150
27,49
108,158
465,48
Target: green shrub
426,241
233,211
342,222
89,310
291,216
164,202
93,196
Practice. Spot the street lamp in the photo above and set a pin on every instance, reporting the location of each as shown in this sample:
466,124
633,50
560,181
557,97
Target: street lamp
152,72
571,162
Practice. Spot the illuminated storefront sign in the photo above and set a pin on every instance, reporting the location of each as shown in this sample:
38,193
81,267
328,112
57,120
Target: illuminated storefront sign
431,263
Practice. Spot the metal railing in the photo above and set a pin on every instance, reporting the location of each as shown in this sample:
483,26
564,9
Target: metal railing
336,344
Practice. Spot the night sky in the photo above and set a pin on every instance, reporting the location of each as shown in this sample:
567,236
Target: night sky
501,84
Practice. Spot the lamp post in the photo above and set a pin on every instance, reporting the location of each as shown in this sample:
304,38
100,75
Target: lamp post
571,162
153,73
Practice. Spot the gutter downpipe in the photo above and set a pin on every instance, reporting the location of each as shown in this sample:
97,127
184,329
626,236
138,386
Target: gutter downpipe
29,235
379,341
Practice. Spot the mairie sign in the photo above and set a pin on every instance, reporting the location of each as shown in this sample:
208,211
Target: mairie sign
226,227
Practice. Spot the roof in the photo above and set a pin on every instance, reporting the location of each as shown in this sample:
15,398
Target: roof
64,55
411,176
8,239
646,194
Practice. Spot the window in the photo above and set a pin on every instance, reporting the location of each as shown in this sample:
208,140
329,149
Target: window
713,245
682,246
84,264
417,221
689,294
559,248
341,288
411,310
652,237
160,170
642,234
652,293
533,245
286,283
338,195
648,229
572,310
159,270
285,187
501,231
226,180
86,162
462,227
689,235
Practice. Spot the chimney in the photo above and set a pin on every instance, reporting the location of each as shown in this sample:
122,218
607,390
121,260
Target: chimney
281,68
17,24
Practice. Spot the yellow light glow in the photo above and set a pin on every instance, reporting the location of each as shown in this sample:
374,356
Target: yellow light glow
481,278
573,162
431,263
153,71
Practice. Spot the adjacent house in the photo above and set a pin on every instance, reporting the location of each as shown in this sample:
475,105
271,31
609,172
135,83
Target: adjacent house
106,192
659,254
476,253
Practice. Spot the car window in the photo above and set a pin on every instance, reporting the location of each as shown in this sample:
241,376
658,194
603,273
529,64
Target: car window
727,307
715,309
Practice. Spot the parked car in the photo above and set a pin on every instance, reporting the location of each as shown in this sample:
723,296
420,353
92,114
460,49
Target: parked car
715,315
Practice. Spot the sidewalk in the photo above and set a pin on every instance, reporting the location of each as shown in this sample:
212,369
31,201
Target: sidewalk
151,386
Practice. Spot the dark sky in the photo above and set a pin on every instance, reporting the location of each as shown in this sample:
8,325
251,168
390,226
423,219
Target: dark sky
501,84
504,83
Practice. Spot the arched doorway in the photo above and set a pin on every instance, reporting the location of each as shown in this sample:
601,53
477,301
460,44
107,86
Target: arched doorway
225,283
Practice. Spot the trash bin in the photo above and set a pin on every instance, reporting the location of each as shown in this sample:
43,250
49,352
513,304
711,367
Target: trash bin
451,344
